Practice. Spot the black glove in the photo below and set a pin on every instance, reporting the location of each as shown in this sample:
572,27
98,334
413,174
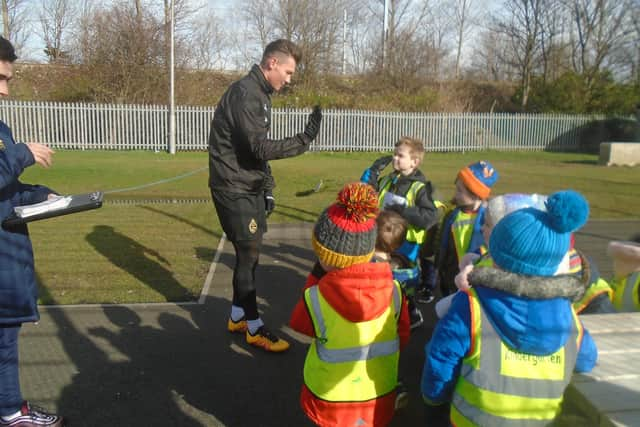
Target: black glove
371,175
269,202
313,124
381,163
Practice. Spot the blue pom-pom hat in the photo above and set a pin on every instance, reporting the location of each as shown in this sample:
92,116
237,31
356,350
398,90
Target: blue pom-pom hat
533,242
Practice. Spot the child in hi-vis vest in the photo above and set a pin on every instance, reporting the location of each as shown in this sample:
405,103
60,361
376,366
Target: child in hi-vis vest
626,274
408,192
461,230
505,351
357,318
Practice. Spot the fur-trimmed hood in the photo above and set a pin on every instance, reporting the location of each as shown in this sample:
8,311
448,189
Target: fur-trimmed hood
533,287
531,314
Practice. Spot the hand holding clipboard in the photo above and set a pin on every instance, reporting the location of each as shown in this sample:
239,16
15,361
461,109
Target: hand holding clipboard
59,206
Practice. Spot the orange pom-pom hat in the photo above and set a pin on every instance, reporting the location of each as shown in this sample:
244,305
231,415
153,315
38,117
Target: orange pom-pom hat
345,233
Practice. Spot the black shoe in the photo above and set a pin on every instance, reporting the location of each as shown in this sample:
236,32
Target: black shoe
425,296
402,396
415,318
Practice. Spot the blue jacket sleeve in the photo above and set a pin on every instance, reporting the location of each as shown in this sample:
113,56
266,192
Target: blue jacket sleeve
449,344
14,158
30,194
587,354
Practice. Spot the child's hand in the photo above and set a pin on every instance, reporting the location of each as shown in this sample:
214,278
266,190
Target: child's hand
462,278
393,199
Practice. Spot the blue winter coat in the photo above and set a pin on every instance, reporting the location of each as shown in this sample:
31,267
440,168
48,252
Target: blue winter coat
18,288
531,314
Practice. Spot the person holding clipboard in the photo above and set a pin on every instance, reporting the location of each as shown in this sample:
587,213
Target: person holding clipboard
18,287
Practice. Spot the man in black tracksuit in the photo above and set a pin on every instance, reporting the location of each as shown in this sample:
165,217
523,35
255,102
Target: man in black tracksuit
240,178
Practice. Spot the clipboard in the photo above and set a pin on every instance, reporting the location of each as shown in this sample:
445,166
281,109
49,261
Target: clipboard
79,203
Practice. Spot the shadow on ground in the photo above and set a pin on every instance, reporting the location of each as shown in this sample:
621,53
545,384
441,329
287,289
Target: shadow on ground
179,366
168,365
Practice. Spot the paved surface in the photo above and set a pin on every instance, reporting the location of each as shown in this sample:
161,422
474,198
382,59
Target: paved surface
610,394
175,365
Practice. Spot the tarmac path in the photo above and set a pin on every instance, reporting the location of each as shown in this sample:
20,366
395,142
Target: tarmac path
176,365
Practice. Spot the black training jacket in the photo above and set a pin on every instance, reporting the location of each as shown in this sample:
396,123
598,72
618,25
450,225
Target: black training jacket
238,145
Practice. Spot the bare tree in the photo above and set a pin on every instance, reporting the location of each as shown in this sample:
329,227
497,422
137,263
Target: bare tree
208,42
55,18
360,31
634,43
436,37
257,14
485,62
183,15
624,59
463,17
554,45
315,25
138,4
598,30
6,28
521,24
14,22
120,56
406,17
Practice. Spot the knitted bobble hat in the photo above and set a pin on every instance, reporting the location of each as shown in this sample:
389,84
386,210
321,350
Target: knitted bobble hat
479,177
345,233
533,242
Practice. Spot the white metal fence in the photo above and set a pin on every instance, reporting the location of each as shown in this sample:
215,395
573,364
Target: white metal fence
145,127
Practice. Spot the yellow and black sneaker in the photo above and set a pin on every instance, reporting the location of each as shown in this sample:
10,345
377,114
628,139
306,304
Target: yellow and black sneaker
239,326
267,340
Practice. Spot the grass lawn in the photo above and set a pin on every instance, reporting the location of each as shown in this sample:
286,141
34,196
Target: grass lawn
156,252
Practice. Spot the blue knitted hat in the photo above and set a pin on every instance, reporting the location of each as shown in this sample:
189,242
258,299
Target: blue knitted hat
533,242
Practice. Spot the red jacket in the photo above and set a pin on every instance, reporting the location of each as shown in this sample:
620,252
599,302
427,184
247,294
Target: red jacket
359,293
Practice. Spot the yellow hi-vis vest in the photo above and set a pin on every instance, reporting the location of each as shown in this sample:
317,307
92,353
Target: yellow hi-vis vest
350,361
500,387
462,230
414,235
625,293
600,286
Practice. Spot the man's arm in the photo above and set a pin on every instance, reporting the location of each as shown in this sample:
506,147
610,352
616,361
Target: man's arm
251,125
15,158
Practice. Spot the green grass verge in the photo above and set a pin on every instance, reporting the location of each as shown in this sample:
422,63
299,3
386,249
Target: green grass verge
156,252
